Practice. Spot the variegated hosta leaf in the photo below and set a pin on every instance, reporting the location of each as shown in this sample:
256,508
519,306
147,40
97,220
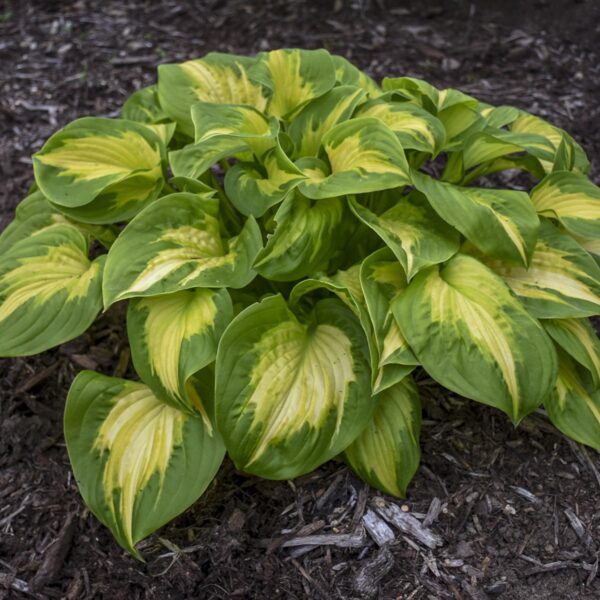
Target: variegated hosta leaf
413,231
572,199
416,128
498,116
206,187
487,145
456,111
189,184
216,78
411,88
175,244
173,336
291,395
294,77
194,160
138,462
523,162
501,223
562,281
164,131
50,292
475,338
383,279
564,159
578,339
450,97
531,124
460,121
35,214
347,74
320,115
592,247
345,284
143,106
307,236
426,95
254,188
386,454
100,170
236,121
573,406
365,156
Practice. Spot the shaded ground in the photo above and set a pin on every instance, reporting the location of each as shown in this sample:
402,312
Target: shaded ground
517,511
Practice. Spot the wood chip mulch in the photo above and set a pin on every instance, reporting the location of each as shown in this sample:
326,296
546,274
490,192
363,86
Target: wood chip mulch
494,512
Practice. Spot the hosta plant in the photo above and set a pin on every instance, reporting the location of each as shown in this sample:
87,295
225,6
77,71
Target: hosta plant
298,245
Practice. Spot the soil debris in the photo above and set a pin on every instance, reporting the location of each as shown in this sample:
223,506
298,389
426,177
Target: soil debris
494,512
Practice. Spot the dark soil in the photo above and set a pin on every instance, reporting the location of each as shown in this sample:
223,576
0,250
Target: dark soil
518,510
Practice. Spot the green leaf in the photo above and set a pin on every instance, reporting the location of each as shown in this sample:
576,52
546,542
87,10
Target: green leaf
501,223
578,339
253,188
491,143
173,336
294,77
383,279
416,128
99,170
417,90
531,124
177,244
562,280
189,184
456,111
50,292
165,131
234,121
347,74
498,116
320,115
591,247
306,238
564,159
386,454
291,394
365,156
216,78
346,285
138,462
572,199
195,159
33,215
143,106
517,161
573,406
460,122
472,336
426,95
413,231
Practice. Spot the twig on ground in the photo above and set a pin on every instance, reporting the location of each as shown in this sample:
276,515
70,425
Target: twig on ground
310,579
55,556
406,523
378,529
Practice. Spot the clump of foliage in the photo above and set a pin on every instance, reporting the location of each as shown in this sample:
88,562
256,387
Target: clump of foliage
295,242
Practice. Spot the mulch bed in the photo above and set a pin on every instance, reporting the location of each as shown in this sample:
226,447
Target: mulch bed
493,512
